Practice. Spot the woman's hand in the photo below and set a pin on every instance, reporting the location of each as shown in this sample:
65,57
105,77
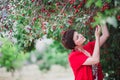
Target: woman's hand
97,31
105,34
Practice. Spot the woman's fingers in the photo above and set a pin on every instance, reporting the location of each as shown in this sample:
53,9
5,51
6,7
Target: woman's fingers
97,31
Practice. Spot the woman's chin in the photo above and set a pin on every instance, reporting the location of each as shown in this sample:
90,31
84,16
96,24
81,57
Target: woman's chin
84,39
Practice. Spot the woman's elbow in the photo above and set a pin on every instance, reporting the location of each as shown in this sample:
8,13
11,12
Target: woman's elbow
96,61
108,35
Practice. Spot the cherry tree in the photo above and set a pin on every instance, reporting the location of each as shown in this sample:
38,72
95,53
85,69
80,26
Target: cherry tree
24,21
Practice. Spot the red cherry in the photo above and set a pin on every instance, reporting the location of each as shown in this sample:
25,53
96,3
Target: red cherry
10,32
118,17
75,7
58,3
32,23
54,28
76,10
61,26
80,5
34,19
23,14
62,32
105,6
48,14
70,22
33,0
86,23
29,29
84,1
13,21
2,27
71,1
43,10
91,28
52,10
91,19
64,14
39,16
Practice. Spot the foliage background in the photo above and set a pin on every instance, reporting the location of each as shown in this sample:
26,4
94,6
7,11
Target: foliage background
24,21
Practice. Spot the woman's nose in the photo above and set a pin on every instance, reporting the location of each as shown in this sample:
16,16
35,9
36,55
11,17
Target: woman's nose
81,35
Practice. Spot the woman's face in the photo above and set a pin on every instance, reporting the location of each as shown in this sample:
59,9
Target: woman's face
78,39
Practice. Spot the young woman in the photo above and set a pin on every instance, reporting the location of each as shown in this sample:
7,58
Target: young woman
85,59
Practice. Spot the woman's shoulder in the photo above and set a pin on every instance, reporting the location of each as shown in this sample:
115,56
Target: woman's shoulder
75,53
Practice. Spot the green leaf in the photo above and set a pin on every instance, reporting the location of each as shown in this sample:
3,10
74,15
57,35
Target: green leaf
99,3
89,3
108,1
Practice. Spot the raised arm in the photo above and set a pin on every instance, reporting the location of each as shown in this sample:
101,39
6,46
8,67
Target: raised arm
95,58
105,34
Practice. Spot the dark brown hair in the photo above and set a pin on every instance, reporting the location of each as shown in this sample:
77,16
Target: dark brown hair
67,39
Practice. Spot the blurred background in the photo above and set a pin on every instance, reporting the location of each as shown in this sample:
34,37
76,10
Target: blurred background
31,30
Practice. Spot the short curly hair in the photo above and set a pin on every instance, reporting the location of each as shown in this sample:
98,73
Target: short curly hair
67,39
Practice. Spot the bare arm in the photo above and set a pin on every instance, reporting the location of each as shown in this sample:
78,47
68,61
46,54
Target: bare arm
105,34
95,58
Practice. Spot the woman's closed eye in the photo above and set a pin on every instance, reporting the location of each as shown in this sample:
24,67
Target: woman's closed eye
77,37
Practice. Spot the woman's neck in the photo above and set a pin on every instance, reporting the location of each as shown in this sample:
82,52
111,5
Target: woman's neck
80,48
